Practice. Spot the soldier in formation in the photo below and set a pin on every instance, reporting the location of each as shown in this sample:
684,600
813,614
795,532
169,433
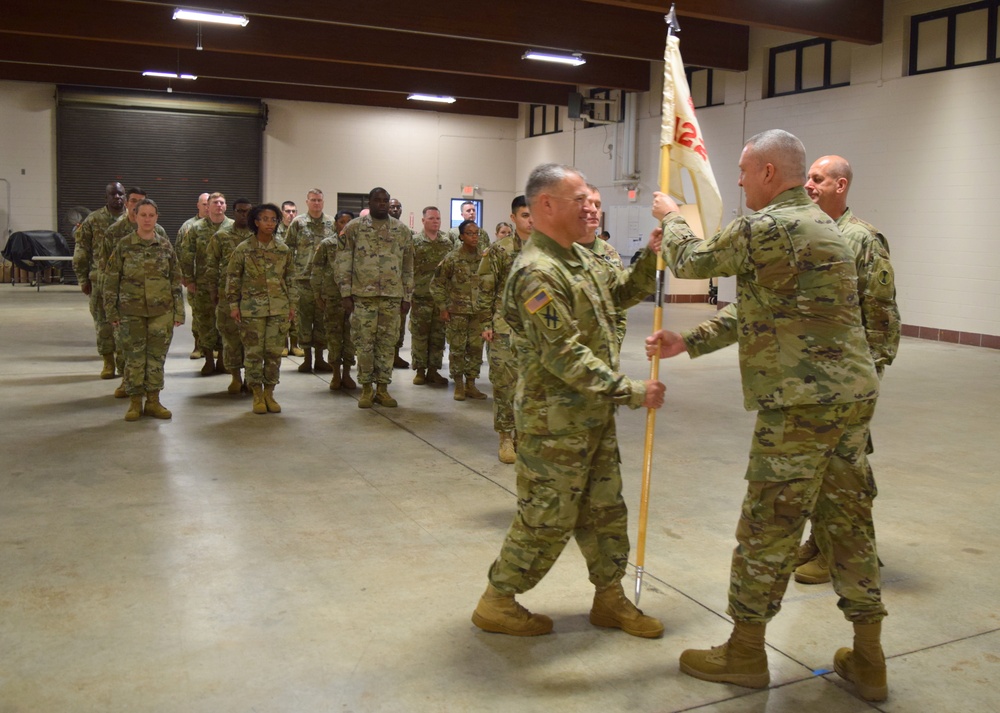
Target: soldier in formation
323,282
427,329
398,362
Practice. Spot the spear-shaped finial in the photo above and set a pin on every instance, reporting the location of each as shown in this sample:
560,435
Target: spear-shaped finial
673,27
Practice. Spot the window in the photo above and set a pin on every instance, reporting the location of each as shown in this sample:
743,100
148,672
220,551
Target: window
961,36
543,120
706,88
808,66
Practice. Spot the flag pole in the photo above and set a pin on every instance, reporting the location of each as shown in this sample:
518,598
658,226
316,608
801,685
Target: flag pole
654,368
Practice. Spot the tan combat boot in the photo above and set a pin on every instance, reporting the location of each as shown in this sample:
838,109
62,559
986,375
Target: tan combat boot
741,660
220,364
153,406
433,377
815,571
367,396
471,391
321,365
236,385
459,390
208,368
259,406
269,402
196,352
284,349
864,666
506,452
346,382
807,551
613,610
134,408
120,392
306,366
294,349
421,377
501,614
108,371
335,381
383,398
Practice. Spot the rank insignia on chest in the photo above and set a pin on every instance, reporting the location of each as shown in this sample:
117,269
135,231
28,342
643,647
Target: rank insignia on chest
537,301
551,317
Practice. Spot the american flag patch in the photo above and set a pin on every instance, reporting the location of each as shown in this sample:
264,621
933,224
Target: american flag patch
537,301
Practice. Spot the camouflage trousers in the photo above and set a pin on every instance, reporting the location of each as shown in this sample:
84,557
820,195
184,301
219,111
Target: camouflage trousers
263,339
503,377
426,334
203,318
465,346
190,301
566,485
374,328
145,342
338,332
105,333
229,330
312,330
808,461
402,331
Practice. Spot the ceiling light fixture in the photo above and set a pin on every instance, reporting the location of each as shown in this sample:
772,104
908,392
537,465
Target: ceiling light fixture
431,98
575,59
221,18
168,75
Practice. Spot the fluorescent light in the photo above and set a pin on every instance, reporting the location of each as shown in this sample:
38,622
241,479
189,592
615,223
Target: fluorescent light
575,59
221,18
169,75
431,98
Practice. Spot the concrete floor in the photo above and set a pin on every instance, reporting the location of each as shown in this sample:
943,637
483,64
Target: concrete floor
328,559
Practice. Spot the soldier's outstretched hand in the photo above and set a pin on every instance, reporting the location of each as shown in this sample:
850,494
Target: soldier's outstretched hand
654,394
667,343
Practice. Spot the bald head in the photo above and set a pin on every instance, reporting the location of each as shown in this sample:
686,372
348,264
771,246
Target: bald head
828,181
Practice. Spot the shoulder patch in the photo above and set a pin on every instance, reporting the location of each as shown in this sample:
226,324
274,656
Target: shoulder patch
537,301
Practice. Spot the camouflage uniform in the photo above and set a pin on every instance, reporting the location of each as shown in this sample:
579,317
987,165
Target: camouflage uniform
455,287
142,292
427,329
493,272
561,310
219,252
89,267
807,371
193,255
179,243
323,284
374,266
304,234
609,256
482,245
260,284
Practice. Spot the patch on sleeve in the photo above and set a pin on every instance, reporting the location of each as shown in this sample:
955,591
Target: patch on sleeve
537,301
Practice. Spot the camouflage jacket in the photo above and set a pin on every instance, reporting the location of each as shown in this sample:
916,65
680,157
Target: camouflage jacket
611,259
185,227
120,229
561,310
322,277
219,252
482,245
260,279
493,271
375,259
143,279
304,235
86,263
193,250
427,255
455,285
798,324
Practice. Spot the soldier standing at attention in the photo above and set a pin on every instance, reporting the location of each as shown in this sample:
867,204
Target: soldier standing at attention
89,271
289,211
261,292
605,251
181,233
374,270
808,372
193,254
144,301
493,272
455,289
304,234
220,250
427,329
559,306
323,282
398,362
468,209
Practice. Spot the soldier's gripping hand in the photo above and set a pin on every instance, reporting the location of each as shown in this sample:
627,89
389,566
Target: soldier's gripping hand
666,343
654,394
655,240
663,204
348,303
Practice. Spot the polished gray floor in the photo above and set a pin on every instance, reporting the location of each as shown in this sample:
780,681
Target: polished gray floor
328,558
